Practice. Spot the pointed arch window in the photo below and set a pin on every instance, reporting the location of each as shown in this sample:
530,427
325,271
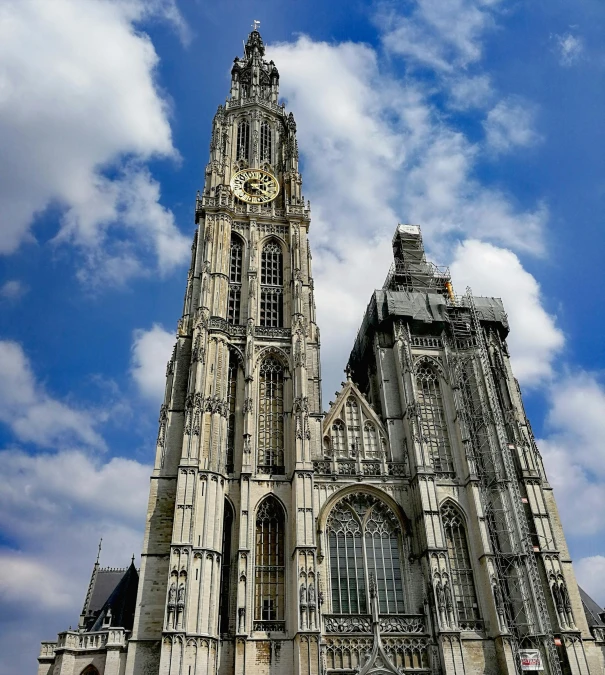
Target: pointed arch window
353,429
265,142
270,570
235,280
432,418
364,541
225,595
243,139
272,279
337,434
231,406
370,440
271,417
463,582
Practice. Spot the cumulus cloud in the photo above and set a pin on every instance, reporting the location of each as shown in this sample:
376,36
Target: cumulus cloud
534,340
32,413
377,151
80,113
470,92
444,35
54,508
573,451
510,124
569,48
150,352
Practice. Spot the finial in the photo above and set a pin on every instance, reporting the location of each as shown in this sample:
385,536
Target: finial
99,552
255,25
348,372
132,561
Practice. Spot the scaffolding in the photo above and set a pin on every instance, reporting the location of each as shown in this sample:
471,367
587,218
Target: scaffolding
516,583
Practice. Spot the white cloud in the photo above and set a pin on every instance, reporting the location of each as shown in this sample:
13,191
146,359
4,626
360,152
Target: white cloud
377,151
54,508
590,573
470,92
32,413
78,104
573,451
13,289
510,124
445,35
150,352
569,48
534,340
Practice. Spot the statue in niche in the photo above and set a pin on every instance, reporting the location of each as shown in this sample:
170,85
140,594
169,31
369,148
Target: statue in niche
181,594
172,593
311,594
303,594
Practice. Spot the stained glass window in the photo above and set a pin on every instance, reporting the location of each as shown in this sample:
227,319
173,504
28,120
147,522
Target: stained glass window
269,577
271,416
364,542
463,584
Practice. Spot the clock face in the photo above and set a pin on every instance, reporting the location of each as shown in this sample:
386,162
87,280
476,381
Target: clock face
254,186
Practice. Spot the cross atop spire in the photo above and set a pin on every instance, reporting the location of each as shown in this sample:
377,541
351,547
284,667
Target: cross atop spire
255,25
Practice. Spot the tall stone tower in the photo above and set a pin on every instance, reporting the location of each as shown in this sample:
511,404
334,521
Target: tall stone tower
410,529
231,506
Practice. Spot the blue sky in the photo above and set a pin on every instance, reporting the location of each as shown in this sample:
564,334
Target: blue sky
479,120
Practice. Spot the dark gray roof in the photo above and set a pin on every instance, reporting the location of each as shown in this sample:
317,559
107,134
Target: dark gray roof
594,613
121,602
104,584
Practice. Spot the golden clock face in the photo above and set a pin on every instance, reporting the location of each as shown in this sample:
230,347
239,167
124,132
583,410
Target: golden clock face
254,186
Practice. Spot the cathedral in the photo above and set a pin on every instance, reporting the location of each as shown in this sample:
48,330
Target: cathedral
409,529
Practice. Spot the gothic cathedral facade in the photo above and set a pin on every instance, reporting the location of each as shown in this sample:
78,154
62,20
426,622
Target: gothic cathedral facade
410,529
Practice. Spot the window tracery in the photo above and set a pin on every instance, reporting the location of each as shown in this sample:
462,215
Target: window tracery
364,542
265,142
463,582
243,139
271,416
235,281
352,417
370,440
269,576
271,302
337,434
432,418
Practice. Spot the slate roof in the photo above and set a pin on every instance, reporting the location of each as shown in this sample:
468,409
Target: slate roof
111,588
595,615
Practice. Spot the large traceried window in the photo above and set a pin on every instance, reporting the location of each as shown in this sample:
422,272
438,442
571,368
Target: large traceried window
225,595
265,142
235,281
231,403
433,419
243,140
271,417
270,570
364,543
272,279
463,583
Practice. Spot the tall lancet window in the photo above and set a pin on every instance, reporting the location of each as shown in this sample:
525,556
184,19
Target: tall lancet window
338,439
271,417
271,279
243,140
265,142
269,570
463,583
432,418
370,443
235,281
353,431
225,595
231,402
364,538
